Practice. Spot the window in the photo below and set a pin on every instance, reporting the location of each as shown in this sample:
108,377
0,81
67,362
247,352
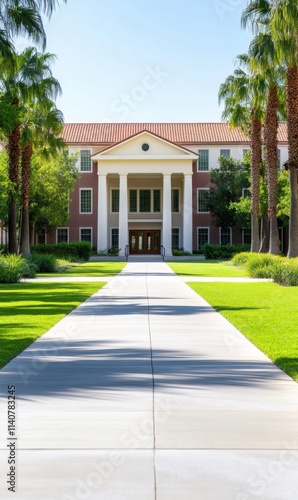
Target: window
175,238
175,200
203,161
115,200
86,201
225,236
115,238
245,152
85,160
225,152
203,236
62,235
145,200
246,236
246,193
86,234
203,200
156,200
133,200
279,160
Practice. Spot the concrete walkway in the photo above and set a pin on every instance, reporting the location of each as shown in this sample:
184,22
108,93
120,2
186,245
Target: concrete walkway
144,392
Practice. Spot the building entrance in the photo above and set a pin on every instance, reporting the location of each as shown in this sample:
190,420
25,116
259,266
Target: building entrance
144,242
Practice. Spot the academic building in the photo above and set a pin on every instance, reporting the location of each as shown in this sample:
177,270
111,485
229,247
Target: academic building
144,186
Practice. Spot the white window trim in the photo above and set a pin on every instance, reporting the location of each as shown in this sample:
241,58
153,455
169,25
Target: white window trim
201,189
243,229
111,230
179,245
203,171
224,149
85,171
86,189
57,233
231,236
202,227
279,160
84,227
180,203
138,189
111,200
245,189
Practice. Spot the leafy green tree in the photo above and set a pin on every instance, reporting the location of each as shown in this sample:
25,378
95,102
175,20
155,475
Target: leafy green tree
52,181
229,180
41,126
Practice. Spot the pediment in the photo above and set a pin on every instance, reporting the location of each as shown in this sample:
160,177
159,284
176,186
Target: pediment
146,146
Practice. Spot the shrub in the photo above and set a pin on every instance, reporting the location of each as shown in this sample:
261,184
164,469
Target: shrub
240,259
13,268
179,252
218,252
285,271
261,265
45,263
280,269
77,250
114,251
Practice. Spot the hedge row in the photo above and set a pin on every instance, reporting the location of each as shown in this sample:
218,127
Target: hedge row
221,252
280,269
80,250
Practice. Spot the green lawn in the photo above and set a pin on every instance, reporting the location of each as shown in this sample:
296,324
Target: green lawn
28,310
211,268
266,313
91,269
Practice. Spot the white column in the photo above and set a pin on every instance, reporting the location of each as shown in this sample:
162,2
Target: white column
123,214
187,213
102,222
167,215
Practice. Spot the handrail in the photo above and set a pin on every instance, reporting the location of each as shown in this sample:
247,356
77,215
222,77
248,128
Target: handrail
162,252
126,252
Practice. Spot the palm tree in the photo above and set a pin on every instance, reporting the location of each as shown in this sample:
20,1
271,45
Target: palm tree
40,130
29,77
242,93
282,18
23,17
263,60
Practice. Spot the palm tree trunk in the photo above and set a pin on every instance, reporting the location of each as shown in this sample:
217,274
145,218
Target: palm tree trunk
256,159
32,232
271,159
13,162
292,105
265,234
25,188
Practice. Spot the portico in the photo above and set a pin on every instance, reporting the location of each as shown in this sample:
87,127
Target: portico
145,185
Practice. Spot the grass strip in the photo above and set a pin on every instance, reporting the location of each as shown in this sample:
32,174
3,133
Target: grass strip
90,269
28,310
207,268
266,313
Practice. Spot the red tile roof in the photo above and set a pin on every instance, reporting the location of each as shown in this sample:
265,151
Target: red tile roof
178,133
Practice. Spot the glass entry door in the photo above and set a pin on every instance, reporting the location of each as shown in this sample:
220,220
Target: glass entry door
144,241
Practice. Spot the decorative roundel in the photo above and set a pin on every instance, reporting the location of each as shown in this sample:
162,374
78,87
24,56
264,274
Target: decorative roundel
145,147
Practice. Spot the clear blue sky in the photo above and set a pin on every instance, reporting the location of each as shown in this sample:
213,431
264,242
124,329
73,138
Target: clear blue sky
137,60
